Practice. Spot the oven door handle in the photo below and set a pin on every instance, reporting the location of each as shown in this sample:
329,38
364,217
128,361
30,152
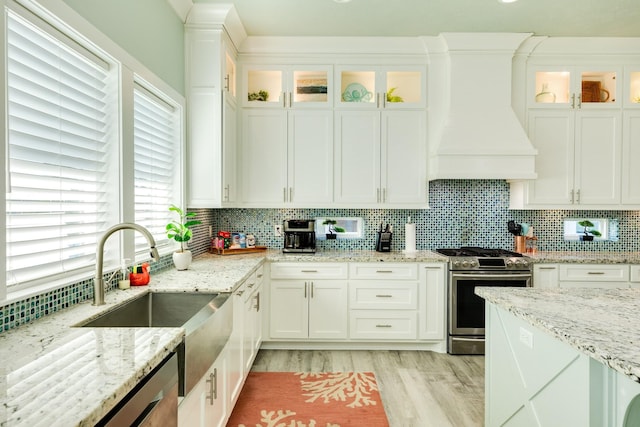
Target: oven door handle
492,276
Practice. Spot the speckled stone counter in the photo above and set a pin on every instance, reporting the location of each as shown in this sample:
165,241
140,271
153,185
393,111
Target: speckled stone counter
586,257
55,374
602,323
356,256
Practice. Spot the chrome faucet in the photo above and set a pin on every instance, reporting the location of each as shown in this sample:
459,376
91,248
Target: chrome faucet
98,281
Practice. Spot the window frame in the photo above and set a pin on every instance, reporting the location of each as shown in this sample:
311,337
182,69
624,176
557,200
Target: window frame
68,22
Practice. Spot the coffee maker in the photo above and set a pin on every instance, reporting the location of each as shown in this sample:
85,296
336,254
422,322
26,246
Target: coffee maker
299,236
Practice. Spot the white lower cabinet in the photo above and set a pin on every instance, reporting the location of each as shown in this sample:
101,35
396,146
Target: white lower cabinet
594,276
634,273
383,301
235,345
252,316
211,401
206,405
546,276
432,294
308,300
361,303
308,309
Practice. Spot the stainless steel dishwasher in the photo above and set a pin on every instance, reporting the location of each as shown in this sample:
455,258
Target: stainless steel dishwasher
153,402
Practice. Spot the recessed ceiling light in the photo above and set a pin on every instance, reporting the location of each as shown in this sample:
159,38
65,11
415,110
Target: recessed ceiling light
507,1
342,1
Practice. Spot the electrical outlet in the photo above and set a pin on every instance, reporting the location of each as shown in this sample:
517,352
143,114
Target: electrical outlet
277,230
526,337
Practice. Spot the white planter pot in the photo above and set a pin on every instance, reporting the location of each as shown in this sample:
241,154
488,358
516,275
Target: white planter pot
182,260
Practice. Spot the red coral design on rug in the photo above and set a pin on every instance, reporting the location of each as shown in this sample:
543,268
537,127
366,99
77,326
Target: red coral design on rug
300,399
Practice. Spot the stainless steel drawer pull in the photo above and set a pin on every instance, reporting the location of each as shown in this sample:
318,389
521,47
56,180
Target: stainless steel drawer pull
383,326
251,285
384,271
213,386
384,296
547,268
595,272
308,271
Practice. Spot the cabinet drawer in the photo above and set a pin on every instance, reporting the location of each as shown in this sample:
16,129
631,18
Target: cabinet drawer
383,271
635,273
296,270
388,325
385,296
594,273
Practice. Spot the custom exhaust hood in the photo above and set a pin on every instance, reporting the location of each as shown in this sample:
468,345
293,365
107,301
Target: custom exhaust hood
475,133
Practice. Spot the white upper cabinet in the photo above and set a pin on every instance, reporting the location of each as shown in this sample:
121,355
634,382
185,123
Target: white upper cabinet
375,87
280,86
287,158
211,119
575,121
380,137
632,86
574,87
578,162
380,158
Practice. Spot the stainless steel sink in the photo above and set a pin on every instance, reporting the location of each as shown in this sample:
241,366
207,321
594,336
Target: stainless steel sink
206,318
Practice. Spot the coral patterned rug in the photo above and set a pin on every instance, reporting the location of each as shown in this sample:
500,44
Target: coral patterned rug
326,399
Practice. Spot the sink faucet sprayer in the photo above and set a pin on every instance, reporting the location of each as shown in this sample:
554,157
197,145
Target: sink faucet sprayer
98,281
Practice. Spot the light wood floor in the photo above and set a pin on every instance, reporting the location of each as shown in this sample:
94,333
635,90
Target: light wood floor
418,388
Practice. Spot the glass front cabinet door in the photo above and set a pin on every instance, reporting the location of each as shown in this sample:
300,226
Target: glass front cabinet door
380,87
574,88
307,86
632,89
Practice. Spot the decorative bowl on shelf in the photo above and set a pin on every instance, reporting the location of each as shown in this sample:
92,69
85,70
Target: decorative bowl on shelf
355,92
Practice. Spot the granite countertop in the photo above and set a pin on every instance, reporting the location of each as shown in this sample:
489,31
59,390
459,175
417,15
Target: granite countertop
601,323
356,256
578,257
55,374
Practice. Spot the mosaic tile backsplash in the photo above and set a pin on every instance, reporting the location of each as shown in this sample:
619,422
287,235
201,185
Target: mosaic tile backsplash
462,213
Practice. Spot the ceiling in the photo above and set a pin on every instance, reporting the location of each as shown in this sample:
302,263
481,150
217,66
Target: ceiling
432,17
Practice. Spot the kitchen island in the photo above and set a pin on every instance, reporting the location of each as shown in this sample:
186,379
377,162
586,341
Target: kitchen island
562,356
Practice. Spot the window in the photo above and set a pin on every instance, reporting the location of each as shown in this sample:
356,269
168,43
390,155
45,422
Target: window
61,153
604,228
156,164
353,228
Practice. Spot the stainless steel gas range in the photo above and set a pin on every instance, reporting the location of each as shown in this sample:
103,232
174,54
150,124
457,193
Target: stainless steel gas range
470,267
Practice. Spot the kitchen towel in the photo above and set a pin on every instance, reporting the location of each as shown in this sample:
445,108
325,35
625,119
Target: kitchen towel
410,237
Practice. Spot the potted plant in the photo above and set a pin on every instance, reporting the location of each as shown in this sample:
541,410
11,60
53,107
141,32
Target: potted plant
332,227
181,233
588,234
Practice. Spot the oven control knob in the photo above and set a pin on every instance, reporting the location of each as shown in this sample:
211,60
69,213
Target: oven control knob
465,264
456,264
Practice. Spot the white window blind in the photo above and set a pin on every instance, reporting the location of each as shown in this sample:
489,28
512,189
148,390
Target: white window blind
59,138
156,165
